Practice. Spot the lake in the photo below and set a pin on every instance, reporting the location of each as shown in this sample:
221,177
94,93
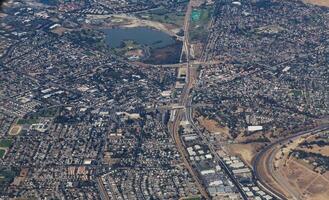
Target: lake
158,47
49,2
141,35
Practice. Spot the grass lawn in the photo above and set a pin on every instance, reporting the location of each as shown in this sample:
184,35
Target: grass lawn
6,177
200,19
127,45
2,153
163,15
169,18
191,198
34,117
5,143
27,121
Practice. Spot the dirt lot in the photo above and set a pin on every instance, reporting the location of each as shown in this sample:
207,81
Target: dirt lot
292,176
245,151
15,129
137,52
213,127
305,183
61,30
298,175
319,189
318,2
301,176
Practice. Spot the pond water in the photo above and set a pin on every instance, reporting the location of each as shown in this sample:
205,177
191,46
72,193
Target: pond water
49,2
141,35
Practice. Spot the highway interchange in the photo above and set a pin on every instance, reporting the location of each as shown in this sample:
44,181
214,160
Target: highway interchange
186,113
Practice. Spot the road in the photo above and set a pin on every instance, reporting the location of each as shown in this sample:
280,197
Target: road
186,44
187,112
103,193
266,158
174,130
174,126
194,63
213,151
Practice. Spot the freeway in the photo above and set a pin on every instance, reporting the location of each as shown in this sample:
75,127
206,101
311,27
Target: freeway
103,194
194,63
186,44
174,130
266,156
185,101
174,126
213,151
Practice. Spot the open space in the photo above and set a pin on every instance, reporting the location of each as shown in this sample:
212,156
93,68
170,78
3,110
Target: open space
165,16
318,2
15,129
200,21
245,151
5,143
214,128
2,153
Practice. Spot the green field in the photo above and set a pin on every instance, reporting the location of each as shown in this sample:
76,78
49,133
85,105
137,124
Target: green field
191,198
2,153
127,45
5,143
34,117
200,19
196,15
163,15
27,121
6,177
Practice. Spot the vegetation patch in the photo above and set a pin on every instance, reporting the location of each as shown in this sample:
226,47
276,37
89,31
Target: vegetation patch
196,14
28,121
33,118
7,175
165,55
200,19
89,38
164,15
126,46
2,153
191,198
6,143
318,159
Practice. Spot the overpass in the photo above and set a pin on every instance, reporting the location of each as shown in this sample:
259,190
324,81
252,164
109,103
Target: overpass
192,63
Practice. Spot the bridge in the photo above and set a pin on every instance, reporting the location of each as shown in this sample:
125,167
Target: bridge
192,63
179,107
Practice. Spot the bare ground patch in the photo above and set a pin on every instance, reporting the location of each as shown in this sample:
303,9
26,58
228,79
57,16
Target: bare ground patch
318,2
213,127
15,129
319,190
246,151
